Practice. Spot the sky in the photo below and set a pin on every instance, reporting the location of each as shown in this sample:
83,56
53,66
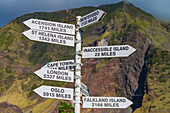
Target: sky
10,9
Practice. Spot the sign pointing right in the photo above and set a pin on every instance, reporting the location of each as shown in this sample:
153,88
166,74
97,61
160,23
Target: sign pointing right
92,17
106,102
107,51
84,90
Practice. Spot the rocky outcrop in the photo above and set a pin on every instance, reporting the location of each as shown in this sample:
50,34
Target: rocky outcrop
122,77
133,70
5,107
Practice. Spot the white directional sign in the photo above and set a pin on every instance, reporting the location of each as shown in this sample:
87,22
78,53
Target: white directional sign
59,65
55,92
50,26
84,90
91,18
107,51
57,75
106,102
49,37
58,71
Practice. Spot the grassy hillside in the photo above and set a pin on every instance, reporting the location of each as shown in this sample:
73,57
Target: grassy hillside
123,24
157,98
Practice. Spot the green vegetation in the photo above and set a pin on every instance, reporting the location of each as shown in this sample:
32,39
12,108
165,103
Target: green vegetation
44,106
94,70
166,25
158,82
20,57
65,108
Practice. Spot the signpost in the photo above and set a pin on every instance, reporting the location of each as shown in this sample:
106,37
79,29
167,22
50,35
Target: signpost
55,32
107,51
49,37
77,67
55,92
84,90
106,102
45,25
91,18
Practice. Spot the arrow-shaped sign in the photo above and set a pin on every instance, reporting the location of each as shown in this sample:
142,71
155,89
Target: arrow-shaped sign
84,90
50,26
55,92
57,75
59,65
58,71
106,102
49,37
107,51
92,17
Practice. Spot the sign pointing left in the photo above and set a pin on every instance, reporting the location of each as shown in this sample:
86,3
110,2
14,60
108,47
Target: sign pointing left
59,65
57,75
50,26
49,37
55,92
58,71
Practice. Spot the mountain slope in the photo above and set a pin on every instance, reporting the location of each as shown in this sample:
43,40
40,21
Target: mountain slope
9,108
126,77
